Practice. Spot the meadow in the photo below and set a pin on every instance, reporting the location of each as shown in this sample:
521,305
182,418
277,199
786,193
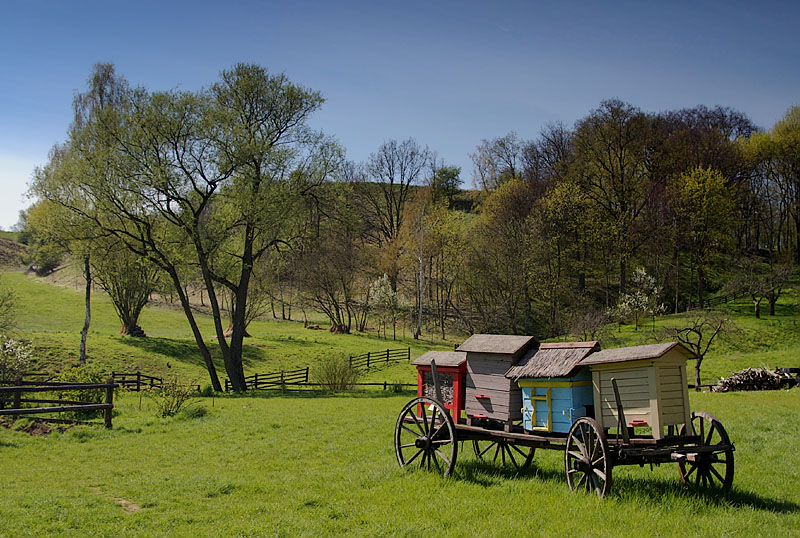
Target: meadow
322,463
325,466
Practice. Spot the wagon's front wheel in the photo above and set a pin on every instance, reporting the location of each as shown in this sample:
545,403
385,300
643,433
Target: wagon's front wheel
502,452
713,465
425,435
587,459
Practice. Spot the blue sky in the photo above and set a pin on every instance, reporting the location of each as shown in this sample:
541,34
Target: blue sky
446,73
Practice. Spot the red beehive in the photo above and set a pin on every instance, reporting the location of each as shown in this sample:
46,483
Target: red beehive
451,367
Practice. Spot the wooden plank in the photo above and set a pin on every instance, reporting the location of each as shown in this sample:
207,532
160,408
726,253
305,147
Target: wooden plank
60,409
628,373
605,382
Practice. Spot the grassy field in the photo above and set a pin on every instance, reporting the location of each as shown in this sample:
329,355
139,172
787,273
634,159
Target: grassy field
51,316
324,466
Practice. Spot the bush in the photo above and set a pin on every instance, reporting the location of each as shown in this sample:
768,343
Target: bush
84,373
15,358
171,398
193,412
335,373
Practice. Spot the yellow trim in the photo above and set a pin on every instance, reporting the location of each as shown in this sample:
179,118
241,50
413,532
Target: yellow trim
558,384
539,398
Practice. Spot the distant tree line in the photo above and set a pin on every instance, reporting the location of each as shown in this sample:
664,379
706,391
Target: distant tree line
229,192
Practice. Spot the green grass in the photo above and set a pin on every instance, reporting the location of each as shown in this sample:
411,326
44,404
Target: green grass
51,316
12,236
324,466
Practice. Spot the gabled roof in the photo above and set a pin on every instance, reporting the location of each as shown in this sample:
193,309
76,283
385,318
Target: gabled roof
635,353
502,344
559,359
442,358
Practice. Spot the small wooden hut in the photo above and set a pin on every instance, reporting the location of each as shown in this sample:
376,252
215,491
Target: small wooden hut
651,381
490,394
451,368
556,388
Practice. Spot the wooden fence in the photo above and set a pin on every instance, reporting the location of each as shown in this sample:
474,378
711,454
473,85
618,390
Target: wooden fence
371,359
137,381
59,406
274,379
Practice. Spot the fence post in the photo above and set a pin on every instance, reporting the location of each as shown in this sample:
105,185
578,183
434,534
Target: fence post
138,381
281,377
306,374
351,361
109,401
409,354
17,396
367,360
384,385
255,381
387,355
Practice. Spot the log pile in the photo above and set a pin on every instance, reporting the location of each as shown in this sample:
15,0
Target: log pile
754,379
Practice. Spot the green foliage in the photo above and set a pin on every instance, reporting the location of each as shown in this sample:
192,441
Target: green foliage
9,305
15,358
334,372
171,398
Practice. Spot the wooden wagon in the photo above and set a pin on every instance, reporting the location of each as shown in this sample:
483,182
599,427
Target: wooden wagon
639,415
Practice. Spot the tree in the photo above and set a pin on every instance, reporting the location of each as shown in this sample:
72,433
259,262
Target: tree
445,184
128,279
610,163
705,208
642,298
759,280
698,335
227,172
496,161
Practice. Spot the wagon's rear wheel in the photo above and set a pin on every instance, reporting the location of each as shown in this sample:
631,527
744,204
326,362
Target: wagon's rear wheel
426,436
587,459
712,468
503,452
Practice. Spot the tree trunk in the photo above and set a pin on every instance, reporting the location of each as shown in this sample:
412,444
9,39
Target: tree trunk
757,305
87,275
198,337
697,373
772,306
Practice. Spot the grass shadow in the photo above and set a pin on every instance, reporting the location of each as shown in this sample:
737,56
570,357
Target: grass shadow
187,352
317,393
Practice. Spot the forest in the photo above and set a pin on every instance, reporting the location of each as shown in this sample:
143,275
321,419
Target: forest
228,194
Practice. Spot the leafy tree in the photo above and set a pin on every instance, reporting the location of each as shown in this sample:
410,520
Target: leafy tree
705,207
445,184
611,164
8,307
642,298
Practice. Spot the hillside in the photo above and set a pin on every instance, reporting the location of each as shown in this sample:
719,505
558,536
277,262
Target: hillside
11,252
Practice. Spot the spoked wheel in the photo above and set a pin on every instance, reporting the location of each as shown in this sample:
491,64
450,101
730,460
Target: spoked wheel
428,438
712,468
503,452
587,459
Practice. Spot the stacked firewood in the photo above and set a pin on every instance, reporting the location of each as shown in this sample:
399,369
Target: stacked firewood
754,379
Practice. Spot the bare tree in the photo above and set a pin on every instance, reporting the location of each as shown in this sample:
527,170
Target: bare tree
699,333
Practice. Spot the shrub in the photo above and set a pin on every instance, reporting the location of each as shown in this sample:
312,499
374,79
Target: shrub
192,412
84,373
335,373
15,358
171,398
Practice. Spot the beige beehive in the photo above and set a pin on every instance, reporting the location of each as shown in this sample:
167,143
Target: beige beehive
651,381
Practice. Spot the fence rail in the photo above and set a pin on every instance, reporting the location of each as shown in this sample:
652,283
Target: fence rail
273,379
137,381
371,359
60,406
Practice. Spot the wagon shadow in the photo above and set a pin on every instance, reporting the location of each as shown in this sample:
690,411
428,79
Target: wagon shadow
659,490
487,473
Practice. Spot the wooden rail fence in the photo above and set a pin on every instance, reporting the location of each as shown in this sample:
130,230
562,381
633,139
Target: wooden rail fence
59,406
273,379
137,381
374,358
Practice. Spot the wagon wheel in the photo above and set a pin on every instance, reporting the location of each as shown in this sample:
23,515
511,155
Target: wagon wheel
428,438
715,468
587,459
502,452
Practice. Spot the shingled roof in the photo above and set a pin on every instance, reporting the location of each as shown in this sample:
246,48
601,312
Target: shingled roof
635,353
502,344
442,358
559,359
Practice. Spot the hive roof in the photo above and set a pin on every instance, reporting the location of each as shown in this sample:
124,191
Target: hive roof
559,359
635,353
442,358
502,344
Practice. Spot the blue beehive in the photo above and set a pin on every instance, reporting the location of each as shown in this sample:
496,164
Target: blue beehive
556,390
